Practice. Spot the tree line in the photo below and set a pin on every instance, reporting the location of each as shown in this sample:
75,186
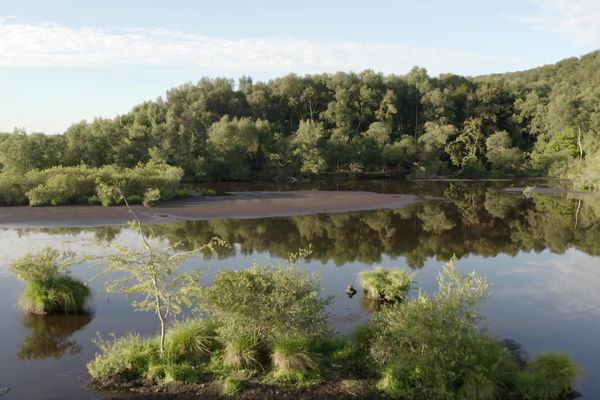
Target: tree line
544,121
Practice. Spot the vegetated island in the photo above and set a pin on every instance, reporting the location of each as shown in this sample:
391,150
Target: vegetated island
239,205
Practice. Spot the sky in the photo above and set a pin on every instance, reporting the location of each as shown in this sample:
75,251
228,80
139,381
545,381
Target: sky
63,61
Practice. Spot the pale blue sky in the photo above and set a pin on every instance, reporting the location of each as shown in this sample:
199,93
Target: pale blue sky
62,61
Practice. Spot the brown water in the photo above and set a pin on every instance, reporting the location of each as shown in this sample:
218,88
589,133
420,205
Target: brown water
540,254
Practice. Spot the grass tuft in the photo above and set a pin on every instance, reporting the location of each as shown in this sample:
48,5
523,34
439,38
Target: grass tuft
61,295
390,284
292,354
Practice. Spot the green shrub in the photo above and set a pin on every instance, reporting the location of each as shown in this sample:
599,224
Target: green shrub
209,192
390,284
108,195
94,201
266,303
151,197
181,193
548,376
134,199
292,354
431,348
49,289
63,185
129,357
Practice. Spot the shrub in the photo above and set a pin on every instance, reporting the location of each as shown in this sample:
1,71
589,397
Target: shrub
151,197
266,303
94,201
430,347
181,193
548,376
292,354
126,358
209,192
63,185
49,289
135,199
391,284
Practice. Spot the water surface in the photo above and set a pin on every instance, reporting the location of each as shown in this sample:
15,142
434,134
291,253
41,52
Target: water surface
541,255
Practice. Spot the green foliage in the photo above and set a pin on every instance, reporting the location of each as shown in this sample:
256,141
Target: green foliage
231,386
151,276
292,354
548,376
151,197
50,290
129,357
63,185
60,295
386,284
242,353
266,303
430,347
190,340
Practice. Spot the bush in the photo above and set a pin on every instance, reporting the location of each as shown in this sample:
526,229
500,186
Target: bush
266,303
209,192
63,185
430,347
151,197
126,358
292,354
548,376
135,199
391,284
49,289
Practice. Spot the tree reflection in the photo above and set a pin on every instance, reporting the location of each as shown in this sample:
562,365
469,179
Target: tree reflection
50,336
464,219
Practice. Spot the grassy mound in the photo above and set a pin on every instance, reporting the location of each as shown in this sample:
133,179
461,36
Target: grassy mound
386,284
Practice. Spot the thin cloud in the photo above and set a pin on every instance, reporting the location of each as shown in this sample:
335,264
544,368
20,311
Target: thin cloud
578,20
53,45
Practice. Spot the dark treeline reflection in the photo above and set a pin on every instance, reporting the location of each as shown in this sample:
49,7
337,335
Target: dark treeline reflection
467,219
50,336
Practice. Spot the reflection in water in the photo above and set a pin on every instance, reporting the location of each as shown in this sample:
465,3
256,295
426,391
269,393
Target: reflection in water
470,219
50,336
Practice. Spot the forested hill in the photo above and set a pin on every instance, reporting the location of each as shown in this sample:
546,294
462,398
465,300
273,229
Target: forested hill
544,121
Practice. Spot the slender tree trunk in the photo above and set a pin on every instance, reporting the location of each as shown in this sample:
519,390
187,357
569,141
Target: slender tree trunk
579,142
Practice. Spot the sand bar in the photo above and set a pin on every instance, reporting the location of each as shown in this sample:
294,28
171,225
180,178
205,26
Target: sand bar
239,205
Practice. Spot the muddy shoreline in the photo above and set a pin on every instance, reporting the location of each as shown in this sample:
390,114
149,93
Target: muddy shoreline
239,205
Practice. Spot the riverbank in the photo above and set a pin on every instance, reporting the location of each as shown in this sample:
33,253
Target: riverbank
240,205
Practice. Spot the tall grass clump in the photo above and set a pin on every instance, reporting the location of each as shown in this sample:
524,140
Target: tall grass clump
190,340
386,284
293,354
126,358
50,289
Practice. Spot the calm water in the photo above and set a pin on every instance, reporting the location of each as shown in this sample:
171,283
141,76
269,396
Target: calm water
541,255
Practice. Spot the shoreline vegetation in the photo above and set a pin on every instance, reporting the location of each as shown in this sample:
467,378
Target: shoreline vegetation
267,329
540,122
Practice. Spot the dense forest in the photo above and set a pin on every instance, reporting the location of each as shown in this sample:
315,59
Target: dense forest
542,122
